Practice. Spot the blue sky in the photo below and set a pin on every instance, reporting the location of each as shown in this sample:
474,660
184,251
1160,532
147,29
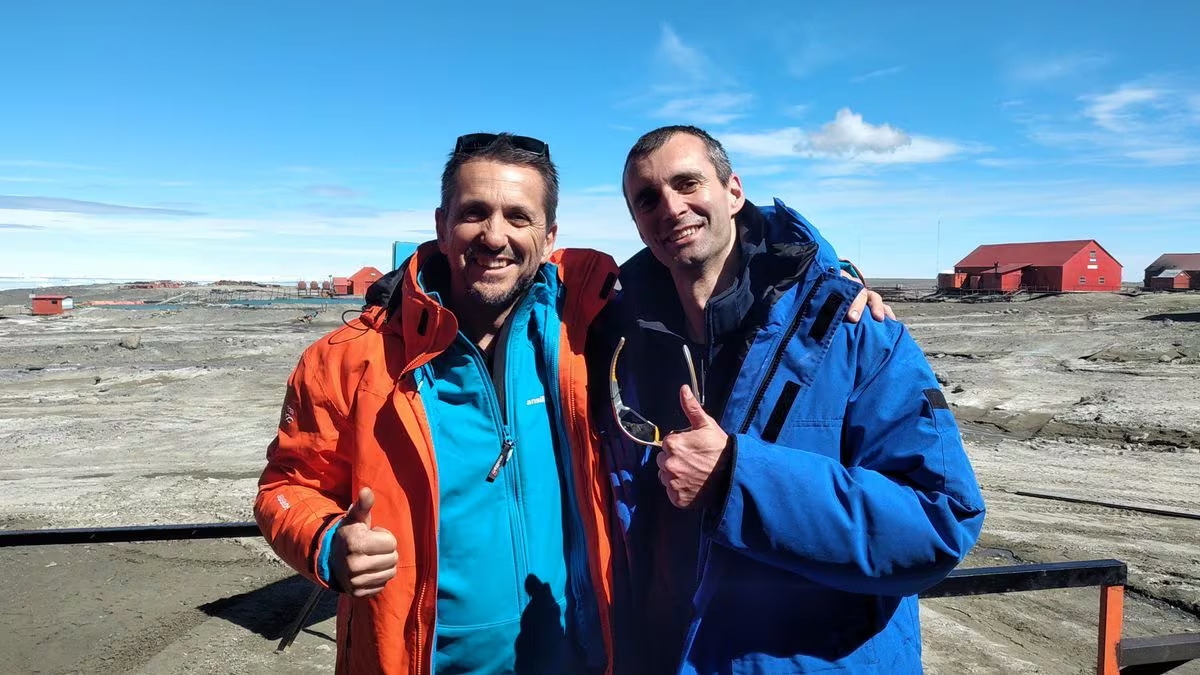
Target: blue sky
291,140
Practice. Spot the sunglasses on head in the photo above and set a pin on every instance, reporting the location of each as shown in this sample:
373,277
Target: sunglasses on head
635,427
475,142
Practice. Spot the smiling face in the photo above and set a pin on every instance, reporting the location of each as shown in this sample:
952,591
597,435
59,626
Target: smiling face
494,233
683,212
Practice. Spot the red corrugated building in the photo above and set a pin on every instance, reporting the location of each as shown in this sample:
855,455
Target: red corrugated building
361,280
1174,271
341,286
45,305
1080,265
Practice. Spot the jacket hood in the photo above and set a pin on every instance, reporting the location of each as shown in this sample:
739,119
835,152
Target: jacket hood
397,304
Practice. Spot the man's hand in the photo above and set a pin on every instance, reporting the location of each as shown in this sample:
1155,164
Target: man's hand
363,558
692,461
866,297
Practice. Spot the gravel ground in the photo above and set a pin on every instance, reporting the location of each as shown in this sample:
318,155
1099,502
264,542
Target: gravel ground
127,417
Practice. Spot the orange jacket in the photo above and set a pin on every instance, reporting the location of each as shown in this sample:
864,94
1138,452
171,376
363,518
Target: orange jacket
352,417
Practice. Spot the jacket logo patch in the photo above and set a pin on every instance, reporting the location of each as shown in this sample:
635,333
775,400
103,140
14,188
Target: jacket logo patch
936,399
824,320
287,416
535,401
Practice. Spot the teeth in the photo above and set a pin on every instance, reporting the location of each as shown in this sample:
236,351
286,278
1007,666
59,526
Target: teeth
686,232
492,264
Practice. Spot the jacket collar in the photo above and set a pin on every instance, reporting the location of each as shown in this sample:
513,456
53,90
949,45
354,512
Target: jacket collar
398,303
656,304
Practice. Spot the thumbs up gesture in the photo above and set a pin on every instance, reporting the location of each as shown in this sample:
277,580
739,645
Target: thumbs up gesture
693,461
363,558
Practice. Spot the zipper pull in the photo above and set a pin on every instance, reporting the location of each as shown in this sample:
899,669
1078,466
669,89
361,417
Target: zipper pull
506,449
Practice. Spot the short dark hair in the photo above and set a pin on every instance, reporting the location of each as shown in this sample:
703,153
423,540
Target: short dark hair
504,151
653,140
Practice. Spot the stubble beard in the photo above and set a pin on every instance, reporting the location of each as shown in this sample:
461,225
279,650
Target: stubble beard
504,298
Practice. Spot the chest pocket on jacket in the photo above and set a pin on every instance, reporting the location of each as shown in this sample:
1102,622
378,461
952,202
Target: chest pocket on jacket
792,424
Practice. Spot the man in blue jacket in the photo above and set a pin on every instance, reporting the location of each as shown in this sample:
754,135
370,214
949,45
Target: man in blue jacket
816,480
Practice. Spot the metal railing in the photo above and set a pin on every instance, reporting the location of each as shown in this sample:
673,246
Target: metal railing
109,535
1109,575
1115,656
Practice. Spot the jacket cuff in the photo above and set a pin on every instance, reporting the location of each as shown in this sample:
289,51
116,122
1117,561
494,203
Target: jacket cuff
714,513
324,553
850,268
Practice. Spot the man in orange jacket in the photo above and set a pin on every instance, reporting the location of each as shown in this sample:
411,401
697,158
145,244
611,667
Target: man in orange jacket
453,414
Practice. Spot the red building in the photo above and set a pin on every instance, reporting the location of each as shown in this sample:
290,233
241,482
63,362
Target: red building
1173,271
341,286
361,280
45,305
1081,265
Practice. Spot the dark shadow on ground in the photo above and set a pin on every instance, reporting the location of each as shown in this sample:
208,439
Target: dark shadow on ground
269,610
1186,317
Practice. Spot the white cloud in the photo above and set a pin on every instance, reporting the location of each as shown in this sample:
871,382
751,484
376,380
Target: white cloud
689,87
847,139
1148,123
606,189
896,219
882,72
597,221
1112,111
761,169
778,143
23,179
65,205
813,44
154,227
920,150
331,191
714,109
42,164
208,247
798,110
681,59
1047,69
1003,162
1166,156
848,136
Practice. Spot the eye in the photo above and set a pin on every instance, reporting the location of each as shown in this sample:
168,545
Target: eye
645,202
688,185
519,218
473,214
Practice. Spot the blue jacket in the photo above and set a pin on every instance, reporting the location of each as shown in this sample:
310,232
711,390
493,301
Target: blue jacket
847,494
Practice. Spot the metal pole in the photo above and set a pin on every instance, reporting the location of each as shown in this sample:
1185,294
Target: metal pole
293,630
1112,600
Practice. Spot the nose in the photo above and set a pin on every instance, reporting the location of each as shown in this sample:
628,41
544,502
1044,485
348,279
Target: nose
672,205
493,235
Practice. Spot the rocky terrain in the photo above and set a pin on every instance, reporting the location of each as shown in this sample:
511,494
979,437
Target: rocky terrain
162,415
